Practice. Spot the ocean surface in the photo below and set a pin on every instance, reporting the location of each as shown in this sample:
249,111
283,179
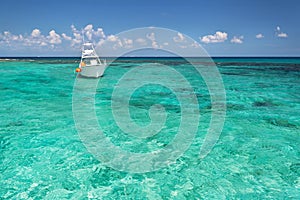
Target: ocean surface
256,157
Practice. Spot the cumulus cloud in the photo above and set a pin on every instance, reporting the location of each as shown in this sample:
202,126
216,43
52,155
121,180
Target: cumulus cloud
141,41
237,40
100,43
90,32
280,34
53,37
73,28
7,36
259,36
99,33
217,37
278,28
66,37
38,41
77,37
128,43
195,45
36,33
58,41
88,27
17,41
112,38
43,44
116,40
151,36
179,38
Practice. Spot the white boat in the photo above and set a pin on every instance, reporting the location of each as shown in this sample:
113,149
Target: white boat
90,63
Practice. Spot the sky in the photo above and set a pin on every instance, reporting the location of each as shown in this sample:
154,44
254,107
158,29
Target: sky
222,28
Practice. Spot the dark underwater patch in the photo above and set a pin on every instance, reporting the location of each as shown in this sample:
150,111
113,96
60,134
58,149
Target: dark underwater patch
263,104
16,123
295,168
281,123
232,106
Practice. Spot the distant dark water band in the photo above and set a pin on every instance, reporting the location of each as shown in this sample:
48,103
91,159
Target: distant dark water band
293,62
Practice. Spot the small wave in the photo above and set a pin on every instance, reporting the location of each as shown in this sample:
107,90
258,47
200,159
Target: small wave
7,59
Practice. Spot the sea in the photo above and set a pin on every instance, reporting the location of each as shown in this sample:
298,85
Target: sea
256,155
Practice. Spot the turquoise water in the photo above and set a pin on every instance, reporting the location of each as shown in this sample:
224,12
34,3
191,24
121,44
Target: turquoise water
256,157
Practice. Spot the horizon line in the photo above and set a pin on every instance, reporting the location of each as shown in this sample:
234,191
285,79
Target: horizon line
270,56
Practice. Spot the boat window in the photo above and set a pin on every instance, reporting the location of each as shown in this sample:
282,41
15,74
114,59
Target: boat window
93,62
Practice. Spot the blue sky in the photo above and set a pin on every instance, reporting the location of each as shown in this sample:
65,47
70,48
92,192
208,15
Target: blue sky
223,28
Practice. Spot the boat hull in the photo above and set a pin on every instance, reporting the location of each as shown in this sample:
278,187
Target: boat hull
94,71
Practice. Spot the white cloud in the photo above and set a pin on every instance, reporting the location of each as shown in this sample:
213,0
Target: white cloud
57,41
99,33
88,27
116,40
282,35
151,36
141,41
66,37
112,38
36,33
90,33
21,37
88,30
195,45
179,38
17,41
279,33
180,35
154,45
237,40
100,43
8,37
128,43
217,37
43,44
36,40
73,28
77,36
259,36
53,37
278,28
16,37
